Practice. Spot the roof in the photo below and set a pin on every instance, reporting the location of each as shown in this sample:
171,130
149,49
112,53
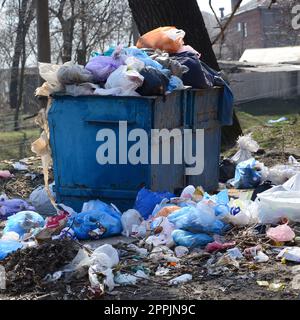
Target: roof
272,55
253,4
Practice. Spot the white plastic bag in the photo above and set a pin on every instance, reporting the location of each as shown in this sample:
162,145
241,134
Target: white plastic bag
48,72
181,279
280,202
247,215
134,63
246,147
130,219
127,80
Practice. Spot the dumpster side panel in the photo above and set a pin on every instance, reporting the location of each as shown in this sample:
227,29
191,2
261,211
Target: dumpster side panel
202,113
169,115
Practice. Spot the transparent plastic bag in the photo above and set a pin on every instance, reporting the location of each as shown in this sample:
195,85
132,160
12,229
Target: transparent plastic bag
23,222
71,73
246,147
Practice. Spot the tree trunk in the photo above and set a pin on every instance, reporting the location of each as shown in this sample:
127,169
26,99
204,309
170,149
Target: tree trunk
186,15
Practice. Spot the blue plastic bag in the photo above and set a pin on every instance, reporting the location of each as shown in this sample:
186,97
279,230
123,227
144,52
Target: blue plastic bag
191,240
246,177
175,83
192,218
23,222
197,220
143,56
221,200
146,201
7,247
98,220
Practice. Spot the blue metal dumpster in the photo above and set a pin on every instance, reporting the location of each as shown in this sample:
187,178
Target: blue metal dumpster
74,123
202,113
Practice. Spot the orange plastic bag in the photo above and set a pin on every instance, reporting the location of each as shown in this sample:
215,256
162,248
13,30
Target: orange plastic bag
169,39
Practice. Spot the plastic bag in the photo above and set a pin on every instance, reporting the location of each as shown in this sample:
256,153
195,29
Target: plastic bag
175,83
40,200
7,247
83,89
163,229
242,213
191,240
48,72
190,218
101,66
126,80
13,206
23,222
134,63
184,278
279,174
227,170
246,147
130,219
5,174
142,56
168,39
189,49
177,69
70,73
280,202
246,175
97,220
282,233
155,82
166,211
200,219
146,201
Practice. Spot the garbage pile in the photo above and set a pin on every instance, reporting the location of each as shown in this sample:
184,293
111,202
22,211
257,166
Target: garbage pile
159,64
166,231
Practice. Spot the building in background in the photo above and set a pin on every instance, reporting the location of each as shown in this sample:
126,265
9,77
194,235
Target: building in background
255,25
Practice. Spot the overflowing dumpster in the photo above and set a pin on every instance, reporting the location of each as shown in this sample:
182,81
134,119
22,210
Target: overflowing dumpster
75,123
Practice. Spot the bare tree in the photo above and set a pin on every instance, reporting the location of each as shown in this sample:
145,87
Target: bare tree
79,27
25,14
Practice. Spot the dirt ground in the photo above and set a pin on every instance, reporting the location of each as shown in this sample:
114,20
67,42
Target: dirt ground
26,272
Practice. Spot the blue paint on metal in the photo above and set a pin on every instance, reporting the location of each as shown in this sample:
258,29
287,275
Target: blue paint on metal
75,121
202,113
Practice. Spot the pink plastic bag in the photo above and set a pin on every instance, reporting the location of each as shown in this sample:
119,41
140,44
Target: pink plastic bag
281,233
